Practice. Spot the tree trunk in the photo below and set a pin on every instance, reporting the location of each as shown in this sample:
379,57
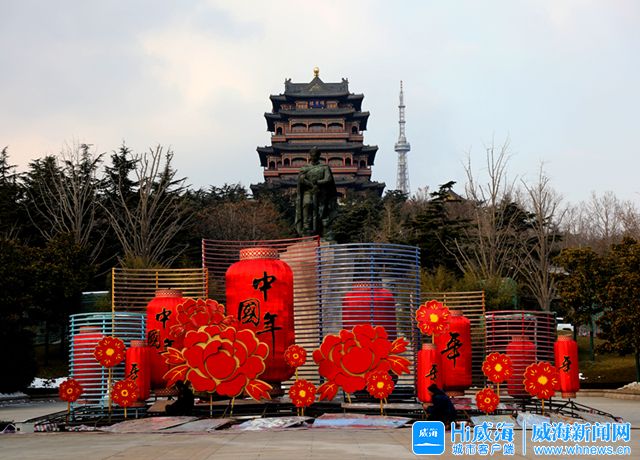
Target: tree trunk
591,353
46,343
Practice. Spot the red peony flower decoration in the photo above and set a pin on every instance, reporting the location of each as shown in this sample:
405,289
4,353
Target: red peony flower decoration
109,351
295,356
70,390
346,360
380,384
302,393
220,359
124,393
487,400
193,314
541,379
497,367
433,318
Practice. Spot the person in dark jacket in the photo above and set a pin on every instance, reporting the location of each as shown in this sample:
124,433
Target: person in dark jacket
185,402
441,408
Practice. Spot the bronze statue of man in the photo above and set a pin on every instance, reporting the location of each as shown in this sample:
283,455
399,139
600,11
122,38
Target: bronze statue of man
316,203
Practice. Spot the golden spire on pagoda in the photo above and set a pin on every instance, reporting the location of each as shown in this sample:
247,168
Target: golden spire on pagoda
316,71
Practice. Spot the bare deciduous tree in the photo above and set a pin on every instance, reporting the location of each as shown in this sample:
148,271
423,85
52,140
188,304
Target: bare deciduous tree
541,241
490,251
63,200
147,225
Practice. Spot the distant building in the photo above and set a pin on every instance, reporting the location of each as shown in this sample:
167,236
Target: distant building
402,147
325,115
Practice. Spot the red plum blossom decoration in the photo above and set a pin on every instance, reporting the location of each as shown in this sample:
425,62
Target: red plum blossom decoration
125,393
487,400
380,384
295,356
70,390
110,351
541,379
302,393
497,367
433,318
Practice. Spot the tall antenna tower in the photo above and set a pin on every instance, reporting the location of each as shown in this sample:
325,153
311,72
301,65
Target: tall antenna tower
402,147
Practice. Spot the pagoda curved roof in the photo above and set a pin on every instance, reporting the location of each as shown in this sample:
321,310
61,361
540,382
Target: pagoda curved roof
271,117
369,150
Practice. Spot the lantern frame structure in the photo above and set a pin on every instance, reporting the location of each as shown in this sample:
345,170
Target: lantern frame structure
127,326
323,273
536,327
392,267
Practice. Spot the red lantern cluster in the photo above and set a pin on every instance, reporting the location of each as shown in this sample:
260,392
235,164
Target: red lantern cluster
566,357
369,303
138,367
259,291
455,349
522,353
429,371
161,317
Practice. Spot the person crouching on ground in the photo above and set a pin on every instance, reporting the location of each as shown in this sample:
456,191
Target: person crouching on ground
184,404
441,408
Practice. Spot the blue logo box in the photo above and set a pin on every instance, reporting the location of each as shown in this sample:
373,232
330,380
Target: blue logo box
427,438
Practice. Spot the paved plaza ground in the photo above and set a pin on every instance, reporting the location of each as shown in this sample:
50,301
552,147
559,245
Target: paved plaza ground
230,444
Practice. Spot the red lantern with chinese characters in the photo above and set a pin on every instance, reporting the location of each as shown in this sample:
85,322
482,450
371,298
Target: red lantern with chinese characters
259,291
522,353
137,367
429,371
86,370
369,303
161,316
454,347
566,353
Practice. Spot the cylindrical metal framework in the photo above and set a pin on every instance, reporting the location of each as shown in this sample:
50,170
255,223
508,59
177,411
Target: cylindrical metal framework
347,268
522,327
86,329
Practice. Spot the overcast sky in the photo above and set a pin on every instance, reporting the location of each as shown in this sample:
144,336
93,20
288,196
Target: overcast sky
560,78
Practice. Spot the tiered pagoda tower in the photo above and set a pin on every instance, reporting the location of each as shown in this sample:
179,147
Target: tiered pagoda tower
324,115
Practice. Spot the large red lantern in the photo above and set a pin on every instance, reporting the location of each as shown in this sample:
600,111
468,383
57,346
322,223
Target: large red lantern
455,349
522,353
369,303
429,371
161,316
137,367
566,353
259,291
86,370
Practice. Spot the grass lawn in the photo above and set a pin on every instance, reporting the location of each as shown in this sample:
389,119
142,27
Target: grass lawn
609,370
